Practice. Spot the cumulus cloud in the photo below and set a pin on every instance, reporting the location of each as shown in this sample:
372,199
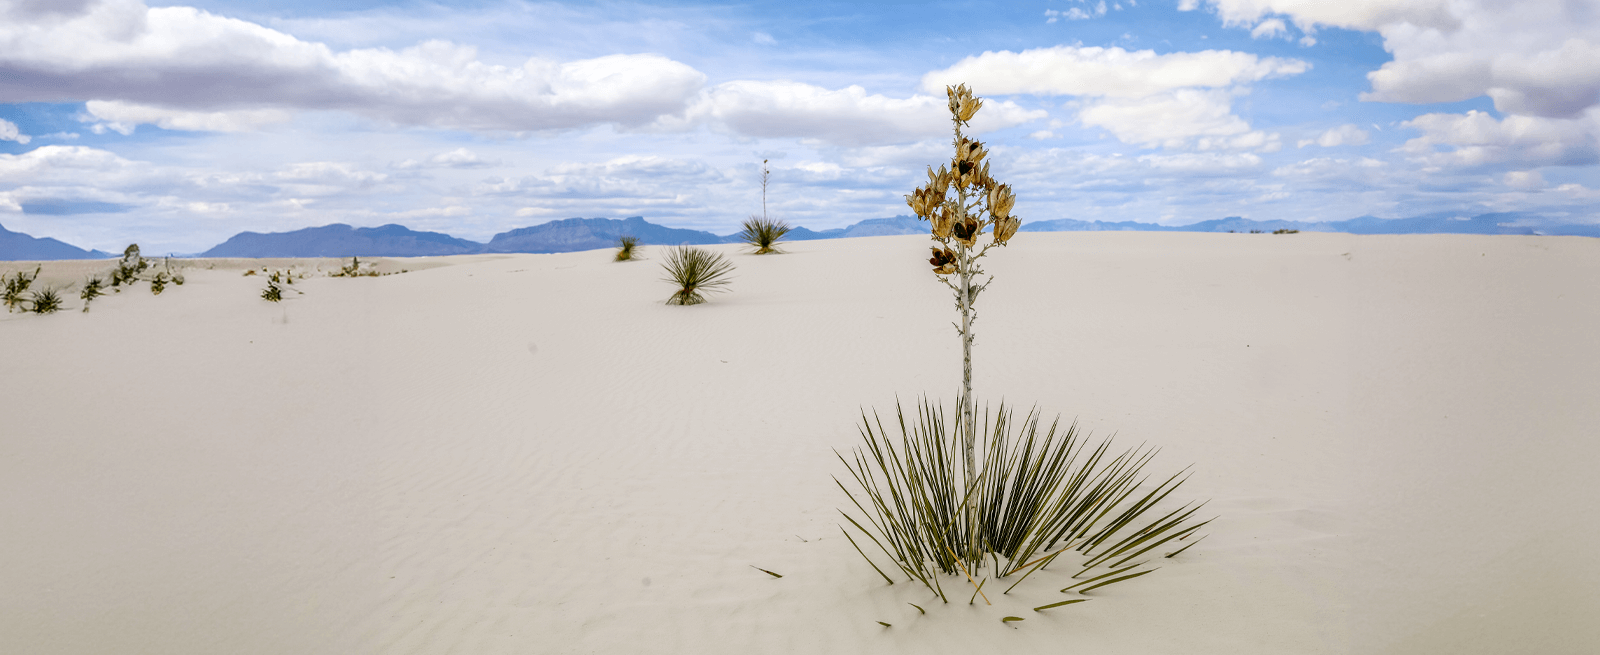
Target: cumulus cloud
1352,14
1200,117
1344,135
1269,28
196,70
123,117
458,158
1531,58
1175,100
1110,72
1478,139
9,132
848,116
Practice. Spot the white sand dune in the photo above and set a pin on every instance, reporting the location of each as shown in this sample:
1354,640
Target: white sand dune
532,454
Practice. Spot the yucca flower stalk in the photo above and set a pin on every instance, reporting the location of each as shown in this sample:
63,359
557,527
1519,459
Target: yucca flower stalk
961,200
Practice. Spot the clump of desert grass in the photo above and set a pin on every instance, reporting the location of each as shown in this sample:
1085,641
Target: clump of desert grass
277,281
695,271
763,234
354,269
628,249
1036,496
92,288
17,284
47,301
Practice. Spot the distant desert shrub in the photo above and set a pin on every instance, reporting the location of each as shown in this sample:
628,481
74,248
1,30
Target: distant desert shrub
763,234
47,301
91,290
158,283
628,248
273,292
16,285
354,270
695,270
1285,231
249,273
129,267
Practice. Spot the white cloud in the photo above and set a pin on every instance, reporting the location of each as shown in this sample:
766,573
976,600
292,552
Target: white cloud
1202,118
848,116
1477,139
1526,180
1111,72
123,117
197,70
1200,164
1175,100
1531,58
458,158
1344,135
9,132
1269,28
1353,14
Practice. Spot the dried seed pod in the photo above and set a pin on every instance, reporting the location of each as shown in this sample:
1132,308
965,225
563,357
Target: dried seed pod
966,231
1000,201
943,261
1004,228
941,222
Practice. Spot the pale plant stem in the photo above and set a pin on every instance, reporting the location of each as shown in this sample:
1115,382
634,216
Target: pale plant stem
964,299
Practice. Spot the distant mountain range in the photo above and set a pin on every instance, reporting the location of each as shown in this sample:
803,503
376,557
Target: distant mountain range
16,245
574,234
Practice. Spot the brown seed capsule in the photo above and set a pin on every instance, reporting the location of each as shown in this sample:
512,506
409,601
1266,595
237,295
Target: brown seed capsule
1000,201
941,222
1005,228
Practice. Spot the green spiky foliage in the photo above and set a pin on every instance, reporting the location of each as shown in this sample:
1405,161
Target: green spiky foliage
16,285
273,292
91,289
129,267
1043,493
628,248
763,234
158,283
46,302
695,271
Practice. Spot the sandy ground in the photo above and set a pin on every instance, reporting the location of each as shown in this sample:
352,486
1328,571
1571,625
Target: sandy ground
532,454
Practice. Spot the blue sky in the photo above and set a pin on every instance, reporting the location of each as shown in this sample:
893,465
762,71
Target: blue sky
178,125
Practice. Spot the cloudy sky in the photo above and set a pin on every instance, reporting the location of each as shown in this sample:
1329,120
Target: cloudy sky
178,125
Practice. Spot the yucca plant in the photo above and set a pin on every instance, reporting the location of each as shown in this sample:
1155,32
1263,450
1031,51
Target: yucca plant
46,302
695,270
931,505
158,283
91,290
16,285
129,267
628,248
1041,494
763,234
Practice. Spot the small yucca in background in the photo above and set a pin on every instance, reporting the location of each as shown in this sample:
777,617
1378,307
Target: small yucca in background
16,284
91,290
628,248
695,270
763,234
46,302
